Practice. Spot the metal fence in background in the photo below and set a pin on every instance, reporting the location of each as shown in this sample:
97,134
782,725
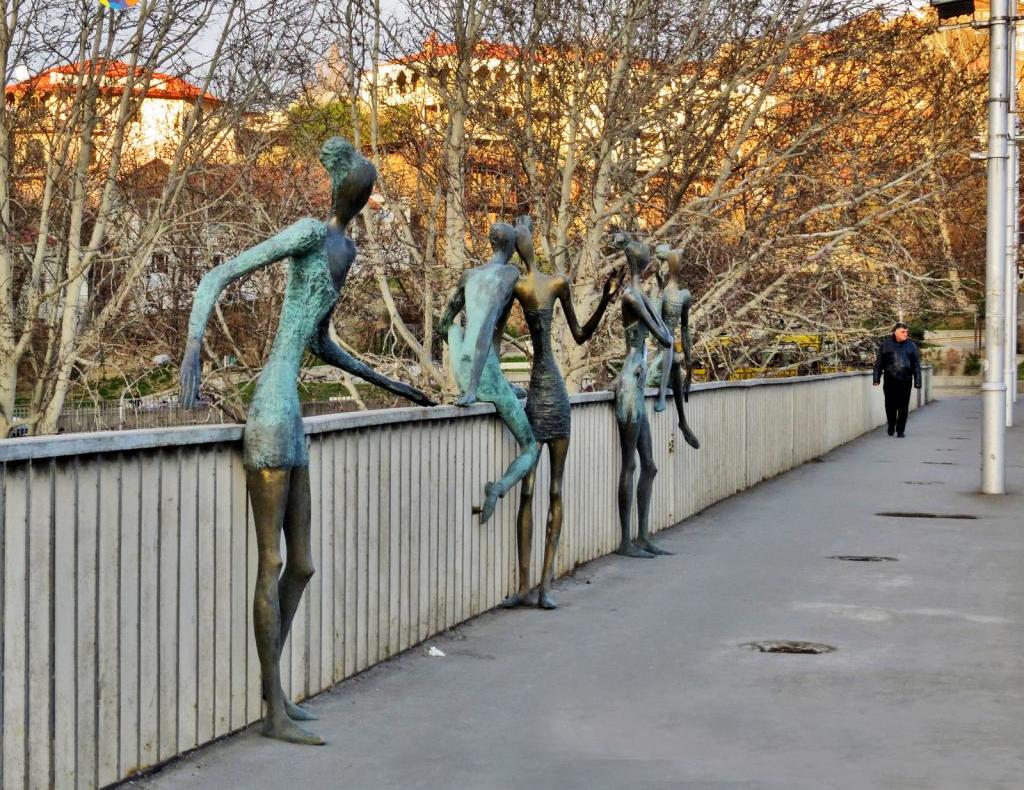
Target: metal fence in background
135,415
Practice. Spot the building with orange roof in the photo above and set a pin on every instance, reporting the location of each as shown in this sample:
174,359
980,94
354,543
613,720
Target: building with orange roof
158,111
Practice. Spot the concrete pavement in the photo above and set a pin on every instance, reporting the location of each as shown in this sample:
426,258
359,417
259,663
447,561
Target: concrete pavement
639,679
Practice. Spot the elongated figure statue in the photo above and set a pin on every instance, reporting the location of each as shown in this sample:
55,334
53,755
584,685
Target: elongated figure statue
547,406
638,318
276,461
674,307
484,294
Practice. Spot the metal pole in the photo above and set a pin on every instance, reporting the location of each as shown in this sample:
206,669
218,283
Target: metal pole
993,390
1012,160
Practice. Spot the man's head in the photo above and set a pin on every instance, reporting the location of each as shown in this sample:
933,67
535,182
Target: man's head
900,332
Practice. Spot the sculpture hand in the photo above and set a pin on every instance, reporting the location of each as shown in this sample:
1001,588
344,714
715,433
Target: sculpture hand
468,399
188,386
419,397
614,281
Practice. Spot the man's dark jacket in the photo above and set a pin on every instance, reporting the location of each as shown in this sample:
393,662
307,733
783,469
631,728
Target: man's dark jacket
899,361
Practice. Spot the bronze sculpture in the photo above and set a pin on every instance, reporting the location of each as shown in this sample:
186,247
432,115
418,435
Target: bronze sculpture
638,318
276,460
484,295
547,406
673,305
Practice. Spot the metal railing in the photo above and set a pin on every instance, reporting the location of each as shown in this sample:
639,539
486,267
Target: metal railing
127,558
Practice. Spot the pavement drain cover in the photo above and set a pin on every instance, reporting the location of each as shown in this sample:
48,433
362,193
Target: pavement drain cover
923,482
862,558
900,514
789,646
939,463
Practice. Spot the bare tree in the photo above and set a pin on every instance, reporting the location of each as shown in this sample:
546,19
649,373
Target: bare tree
87,195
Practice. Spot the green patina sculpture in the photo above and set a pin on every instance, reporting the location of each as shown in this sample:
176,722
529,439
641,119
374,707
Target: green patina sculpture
484,295
547,406
276,460
638,318
673,305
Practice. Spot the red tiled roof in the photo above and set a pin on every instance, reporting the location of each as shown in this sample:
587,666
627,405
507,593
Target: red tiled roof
433,47
161,86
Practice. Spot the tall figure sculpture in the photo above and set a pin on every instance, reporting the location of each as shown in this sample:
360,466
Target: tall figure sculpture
673,305
638,318
547,406
276,461
485,295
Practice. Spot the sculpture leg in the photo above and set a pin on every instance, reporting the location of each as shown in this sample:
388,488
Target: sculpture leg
524,542
298,569
557,450
495,389
628,435
679,395
645,488
665,370
269,495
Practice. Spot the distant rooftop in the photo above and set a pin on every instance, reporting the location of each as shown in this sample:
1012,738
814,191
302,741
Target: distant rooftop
112,76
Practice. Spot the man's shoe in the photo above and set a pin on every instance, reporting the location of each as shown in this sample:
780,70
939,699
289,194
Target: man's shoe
890,431
900,435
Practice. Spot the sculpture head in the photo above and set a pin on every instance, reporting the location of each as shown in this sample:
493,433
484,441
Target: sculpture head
674,259
352,177
637,254
524,239
503,239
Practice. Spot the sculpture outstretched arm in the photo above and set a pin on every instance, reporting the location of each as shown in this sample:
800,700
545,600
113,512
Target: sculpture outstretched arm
330,352
653,322
293,240
582,334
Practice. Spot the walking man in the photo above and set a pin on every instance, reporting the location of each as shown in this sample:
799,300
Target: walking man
899,360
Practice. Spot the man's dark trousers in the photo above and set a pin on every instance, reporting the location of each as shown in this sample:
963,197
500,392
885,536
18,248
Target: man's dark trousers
897,402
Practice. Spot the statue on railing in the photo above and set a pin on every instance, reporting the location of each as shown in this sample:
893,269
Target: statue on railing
638,318
484,295
547,405
276,460
673,305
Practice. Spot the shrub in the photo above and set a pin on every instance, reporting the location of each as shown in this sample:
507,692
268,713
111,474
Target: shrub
972,365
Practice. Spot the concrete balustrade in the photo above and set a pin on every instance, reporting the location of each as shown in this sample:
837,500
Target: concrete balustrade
127,558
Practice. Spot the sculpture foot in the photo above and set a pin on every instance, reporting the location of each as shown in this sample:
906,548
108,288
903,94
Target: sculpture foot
629,550
466,400
659,405
647,545
298,713
689,438
284,729
545,601
490,502
520,599
295,711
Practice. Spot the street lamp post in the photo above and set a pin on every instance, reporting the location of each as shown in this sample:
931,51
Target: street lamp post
1000,240
1013,177
993,389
